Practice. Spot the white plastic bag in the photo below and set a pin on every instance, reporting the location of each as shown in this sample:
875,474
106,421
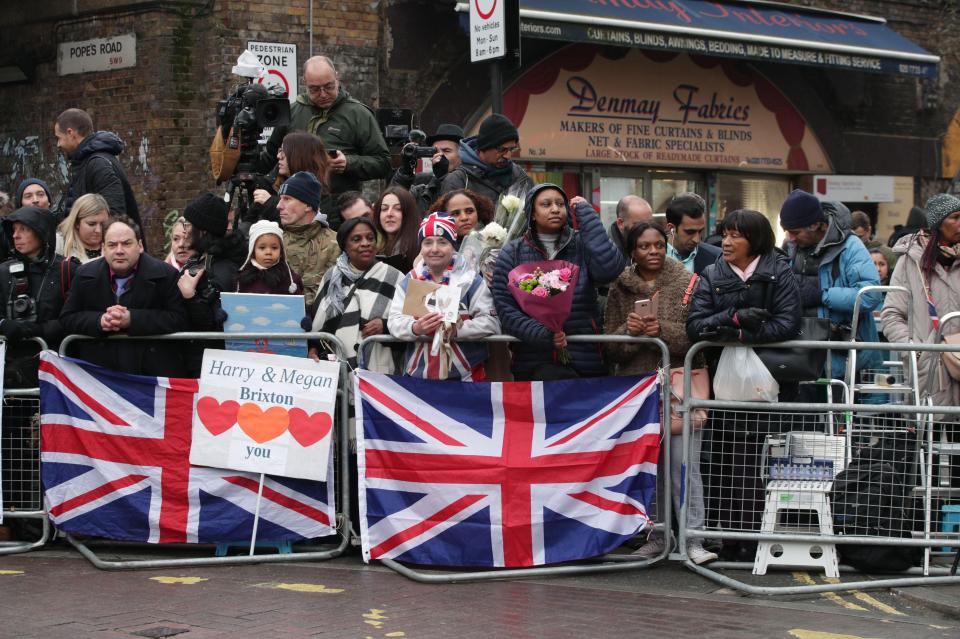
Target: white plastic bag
742,376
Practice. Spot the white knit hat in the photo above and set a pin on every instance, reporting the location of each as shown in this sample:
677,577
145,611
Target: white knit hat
267,227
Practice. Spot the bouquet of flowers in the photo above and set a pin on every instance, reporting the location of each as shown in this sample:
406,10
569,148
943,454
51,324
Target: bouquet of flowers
544,291
509,213
492,238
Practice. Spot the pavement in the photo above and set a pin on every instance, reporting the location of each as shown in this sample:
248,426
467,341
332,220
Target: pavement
54,593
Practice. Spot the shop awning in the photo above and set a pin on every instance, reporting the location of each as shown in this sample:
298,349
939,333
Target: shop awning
769,31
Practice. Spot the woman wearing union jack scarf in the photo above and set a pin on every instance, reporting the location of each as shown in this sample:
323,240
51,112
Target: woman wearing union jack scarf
443,357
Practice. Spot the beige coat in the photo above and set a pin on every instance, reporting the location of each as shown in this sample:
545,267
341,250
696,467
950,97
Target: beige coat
672,282
905,316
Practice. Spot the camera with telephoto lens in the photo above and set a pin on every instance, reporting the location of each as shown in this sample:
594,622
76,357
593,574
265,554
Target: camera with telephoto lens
20,306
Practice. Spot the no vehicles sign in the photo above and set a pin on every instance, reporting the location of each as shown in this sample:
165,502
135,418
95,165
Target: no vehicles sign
280,59
487,30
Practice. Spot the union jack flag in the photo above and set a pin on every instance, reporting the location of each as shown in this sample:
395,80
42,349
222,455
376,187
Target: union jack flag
504,474
115,464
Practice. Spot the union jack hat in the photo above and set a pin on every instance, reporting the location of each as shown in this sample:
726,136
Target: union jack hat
438,224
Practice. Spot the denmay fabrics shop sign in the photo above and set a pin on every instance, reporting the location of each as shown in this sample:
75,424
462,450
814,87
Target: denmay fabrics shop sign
674,113
97,54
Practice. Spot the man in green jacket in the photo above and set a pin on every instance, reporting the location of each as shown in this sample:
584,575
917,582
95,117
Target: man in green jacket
346,126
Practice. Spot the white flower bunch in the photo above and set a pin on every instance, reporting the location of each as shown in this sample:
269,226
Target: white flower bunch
511,203
493,235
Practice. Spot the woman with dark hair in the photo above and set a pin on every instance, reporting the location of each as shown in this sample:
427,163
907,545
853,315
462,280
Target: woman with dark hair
355,295
653,275
300,151
929,267
469,210
397,219
750,296
551,235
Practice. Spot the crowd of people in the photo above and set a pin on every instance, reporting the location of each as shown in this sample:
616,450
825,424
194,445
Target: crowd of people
82,268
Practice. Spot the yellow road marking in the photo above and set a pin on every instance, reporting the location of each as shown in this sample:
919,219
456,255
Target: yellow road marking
179,580
395,634
374,618
879,605
807,580
11,572
869,600
800,633
305,588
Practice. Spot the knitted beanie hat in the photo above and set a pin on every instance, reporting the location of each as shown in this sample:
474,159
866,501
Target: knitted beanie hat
209,213
304,187
799,210
939,207
496,130
437,225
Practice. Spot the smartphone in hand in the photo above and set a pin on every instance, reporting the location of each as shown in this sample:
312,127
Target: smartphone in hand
645,308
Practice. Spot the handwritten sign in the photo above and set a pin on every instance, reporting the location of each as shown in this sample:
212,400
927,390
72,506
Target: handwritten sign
265,414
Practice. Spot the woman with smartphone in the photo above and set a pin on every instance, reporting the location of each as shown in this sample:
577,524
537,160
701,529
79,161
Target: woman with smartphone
300,151
650,299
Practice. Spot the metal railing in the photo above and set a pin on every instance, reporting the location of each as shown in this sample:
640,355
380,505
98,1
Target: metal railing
607,563
798,504
341,481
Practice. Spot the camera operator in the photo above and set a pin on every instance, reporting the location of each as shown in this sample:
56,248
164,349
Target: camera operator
33,285
348,128
444,149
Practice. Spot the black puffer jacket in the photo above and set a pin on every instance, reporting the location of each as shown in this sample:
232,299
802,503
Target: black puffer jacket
94,168
721,292
48,278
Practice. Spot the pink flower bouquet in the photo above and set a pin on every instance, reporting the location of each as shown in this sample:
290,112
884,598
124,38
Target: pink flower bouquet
544,291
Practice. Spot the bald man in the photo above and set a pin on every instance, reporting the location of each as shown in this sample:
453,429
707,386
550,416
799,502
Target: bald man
631,210
347,127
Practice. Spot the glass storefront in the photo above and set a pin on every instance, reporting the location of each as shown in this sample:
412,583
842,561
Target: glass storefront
723,191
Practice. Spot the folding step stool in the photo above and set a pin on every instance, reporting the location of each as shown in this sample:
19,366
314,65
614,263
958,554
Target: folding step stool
809,496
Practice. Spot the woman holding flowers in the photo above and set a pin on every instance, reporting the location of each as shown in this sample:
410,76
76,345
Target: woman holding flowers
550,245
654,276
442,357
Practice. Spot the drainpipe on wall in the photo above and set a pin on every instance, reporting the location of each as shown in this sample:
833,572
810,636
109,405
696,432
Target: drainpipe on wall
310,19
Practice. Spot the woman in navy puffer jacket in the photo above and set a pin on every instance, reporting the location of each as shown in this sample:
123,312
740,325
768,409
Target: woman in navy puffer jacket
554,234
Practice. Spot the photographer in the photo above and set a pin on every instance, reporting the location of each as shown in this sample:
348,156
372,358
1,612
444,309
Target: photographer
211,270
33,285
347,127
444,149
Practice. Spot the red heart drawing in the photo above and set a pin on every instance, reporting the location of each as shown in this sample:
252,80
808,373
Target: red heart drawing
309,429
217,417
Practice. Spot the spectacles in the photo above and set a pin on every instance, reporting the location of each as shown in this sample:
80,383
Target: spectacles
503,150
329,87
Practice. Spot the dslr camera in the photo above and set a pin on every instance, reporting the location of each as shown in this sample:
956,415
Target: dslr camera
20,306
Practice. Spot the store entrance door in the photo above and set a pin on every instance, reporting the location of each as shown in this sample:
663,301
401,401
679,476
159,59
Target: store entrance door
656,187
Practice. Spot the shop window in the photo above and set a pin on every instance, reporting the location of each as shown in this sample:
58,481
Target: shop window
611,190
759,193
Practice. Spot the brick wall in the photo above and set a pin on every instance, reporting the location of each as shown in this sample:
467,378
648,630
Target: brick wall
163,108
402,53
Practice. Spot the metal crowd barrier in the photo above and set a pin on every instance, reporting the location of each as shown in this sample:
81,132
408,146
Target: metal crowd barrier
607,563
341,456
777,480
20,461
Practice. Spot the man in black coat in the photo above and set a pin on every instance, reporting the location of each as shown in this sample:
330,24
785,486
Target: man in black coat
686,223
94,167
126,292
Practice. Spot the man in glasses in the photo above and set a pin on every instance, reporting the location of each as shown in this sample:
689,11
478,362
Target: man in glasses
486,164
348,128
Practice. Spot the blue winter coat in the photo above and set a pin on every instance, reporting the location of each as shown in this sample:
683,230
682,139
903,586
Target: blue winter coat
854,269
600,263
